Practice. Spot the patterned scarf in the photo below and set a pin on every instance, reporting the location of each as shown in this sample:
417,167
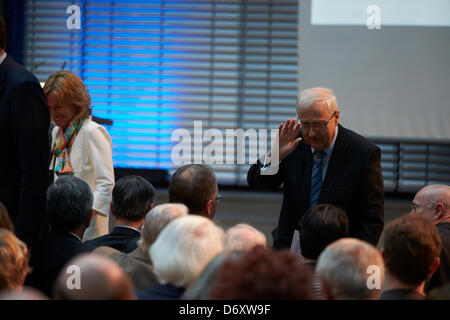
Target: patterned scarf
61,149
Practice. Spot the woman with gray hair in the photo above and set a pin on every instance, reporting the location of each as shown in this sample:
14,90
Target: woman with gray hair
180,253
80,147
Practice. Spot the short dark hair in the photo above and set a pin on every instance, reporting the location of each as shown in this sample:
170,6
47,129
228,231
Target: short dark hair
69,202
132,197
192,185
411,245
2,33
261,274
320,226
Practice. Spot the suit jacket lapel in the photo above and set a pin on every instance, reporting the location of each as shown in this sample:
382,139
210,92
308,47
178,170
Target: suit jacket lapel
303,164
4,66
339,157
2,75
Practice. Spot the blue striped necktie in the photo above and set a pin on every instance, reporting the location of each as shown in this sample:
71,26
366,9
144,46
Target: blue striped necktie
316,177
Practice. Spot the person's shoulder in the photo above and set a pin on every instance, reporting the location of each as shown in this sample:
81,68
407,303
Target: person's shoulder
17,75
96,242
93,128
356,140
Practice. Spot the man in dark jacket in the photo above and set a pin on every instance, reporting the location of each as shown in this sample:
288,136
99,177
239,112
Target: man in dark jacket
24,143
69,202
433,202
132,199
320,161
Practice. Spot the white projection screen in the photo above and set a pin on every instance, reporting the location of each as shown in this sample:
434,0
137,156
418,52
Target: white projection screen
392,82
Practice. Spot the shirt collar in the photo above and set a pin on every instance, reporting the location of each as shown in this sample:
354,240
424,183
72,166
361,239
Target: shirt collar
2,57
122,226
75,236
329,150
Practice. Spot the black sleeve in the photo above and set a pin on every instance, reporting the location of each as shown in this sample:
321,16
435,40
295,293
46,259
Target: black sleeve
372,196
30,122
256,180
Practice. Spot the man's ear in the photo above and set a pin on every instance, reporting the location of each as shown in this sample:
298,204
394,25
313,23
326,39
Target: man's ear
337,116
439,208
92,213
209,208
151,206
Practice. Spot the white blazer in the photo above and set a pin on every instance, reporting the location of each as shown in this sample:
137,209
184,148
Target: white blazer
91,159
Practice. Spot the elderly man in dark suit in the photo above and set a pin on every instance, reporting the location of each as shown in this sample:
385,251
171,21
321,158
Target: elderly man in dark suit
24,144
320,161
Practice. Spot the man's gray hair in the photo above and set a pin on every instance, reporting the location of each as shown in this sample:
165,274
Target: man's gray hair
69,202
306,98
184,248
243,237
344,268
156,220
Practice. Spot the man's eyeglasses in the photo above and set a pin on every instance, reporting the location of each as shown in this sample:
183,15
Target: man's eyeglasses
219,197
318,125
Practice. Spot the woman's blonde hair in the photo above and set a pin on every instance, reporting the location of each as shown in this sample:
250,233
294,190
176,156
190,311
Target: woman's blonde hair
14,258
71,93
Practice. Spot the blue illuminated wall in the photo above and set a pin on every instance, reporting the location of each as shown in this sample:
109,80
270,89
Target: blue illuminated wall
155,66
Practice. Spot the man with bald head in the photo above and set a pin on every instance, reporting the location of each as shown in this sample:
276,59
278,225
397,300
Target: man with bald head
320,161
433,202
99,279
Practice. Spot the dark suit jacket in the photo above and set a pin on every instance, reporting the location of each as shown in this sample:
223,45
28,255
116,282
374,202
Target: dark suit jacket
400,294
57,249
442,274
161,292
121,238
24,123
353,182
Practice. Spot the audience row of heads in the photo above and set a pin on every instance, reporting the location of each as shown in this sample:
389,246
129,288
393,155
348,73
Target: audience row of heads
348,268
192,239
70,200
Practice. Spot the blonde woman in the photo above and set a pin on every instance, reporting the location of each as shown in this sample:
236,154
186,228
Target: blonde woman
80,147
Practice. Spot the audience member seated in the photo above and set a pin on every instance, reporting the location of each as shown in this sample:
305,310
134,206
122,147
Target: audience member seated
5,221
69,205
137,264
344,270
27,293
99,278
243,237
180,253
433,202
195,186
411,252
262,274
238,239
14,258
132,198
320,226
